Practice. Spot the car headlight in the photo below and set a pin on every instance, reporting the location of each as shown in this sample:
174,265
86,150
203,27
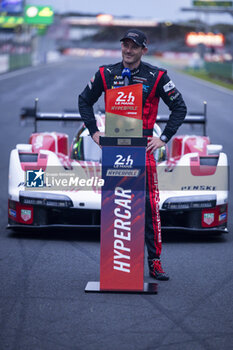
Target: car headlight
45,199
194,202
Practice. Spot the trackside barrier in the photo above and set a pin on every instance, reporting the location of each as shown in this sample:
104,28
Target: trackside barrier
4,63
220,69
17,61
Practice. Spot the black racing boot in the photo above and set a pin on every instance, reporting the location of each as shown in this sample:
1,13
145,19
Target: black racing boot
156,270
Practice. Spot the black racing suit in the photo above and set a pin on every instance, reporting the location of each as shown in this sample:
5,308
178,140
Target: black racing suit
156,84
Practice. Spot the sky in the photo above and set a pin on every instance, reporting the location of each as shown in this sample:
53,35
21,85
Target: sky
161,10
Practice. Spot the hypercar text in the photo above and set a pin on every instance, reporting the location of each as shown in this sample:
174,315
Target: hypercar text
122,229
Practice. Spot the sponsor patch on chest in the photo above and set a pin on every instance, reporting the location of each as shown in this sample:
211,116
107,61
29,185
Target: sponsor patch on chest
137,79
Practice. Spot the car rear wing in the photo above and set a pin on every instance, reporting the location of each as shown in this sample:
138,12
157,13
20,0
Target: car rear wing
32,113
191,118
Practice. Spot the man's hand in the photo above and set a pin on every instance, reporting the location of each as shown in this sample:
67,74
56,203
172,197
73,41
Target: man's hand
154,143
96,137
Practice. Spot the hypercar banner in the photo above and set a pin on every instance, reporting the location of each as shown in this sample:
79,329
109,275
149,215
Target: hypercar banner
122,219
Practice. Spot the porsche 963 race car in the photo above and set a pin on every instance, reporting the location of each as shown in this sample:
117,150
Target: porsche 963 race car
52,184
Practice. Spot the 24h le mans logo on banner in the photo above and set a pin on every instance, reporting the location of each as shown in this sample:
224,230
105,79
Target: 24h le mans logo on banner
125,101
124,111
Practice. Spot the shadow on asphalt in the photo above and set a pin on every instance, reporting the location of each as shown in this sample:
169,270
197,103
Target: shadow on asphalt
57,234
62,234
190,237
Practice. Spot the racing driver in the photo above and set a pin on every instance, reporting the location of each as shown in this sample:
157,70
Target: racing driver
156,84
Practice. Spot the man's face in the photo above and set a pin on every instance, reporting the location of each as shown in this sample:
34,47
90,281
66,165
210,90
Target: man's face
131,53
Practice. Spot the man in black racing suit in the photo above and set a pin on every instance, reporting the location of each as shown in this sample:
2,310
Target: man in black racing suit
156,84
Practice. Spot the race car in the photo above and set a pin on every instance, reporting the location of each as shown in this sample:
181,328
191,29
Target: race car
52,184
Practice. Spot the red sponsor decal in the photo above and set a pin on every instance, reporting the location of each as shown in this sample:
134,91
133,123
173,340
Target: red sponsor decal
20,213
215,216
26,214
208,218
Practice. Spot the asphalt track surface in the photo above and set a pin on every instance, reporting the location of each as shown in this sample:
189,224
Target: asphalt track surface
43,275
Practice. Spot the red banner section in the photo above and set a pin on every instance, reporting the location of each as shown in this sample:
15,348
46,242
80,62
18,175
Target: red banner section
124,111
125,101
